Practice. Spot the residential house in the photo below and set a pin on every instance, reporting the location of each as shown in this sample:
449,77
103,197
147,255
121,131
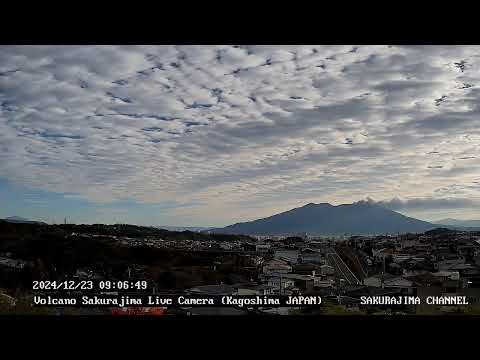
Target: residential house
303,282
477,260
389,281
226,245
276,266
319,282
211,290
254,289
262,248
381,254
327,270
311,256
306,269
447,261
280,284
289,255
447,275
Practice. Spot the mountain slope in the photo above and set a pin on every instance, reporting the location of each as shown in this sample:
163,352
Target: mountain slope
326,219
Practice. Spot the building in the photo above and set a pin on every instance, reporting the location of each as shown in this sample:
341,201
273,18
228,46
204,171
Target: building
302,282
262,248
211,290
311,256
215,311
254,289
327,270
387,281
447,275
306,269
279,283
289,255
276,266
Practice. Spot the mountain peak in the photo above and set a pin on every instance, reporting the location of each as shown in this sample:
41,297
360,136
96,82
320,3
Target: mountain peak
362,217
316,205
367,201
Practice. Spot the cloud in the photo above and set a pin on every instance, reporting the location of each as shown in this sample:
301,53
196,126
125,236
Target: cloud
233,128
426,203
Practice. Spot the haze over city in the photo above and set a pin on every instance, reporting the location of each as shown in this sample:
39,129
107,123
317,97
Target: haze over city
213,135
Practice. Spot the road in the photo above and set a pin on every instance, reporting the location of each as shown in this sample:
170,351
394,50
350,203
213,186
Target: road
361,265
341,269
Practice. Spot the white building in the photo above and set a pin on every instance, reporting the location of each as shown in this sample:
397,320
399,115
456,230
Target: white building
447,275
262,247
278,282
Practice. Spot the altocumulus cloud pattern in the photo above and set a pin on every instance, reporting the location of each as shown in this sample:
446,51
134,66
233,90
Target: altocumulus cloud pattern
243,129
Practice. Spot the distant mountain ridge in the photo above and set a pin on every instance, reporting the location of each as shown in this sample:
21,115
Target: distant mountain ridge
462,223
184,228
18,219
360,218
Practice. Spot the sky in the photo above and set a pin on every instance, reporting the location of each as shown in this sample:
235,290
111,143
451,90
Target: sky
214,135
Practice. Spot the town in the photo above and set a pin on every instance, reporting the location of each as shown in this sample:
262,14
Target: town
343,271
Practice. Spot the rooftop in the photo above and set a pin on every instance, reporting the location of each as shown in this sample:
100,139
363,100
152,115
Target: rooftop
212,289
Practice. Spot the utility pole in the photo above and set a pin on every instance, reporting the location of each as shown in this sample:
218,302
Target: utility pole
383,274
280,283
